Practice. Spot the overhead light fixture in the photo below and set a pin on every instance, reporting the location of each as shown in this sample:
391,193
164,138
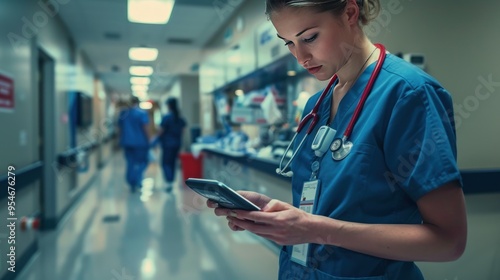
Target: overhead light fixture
140,88
141,70
145,105
239,92
140,80
143,54
291,73
150,11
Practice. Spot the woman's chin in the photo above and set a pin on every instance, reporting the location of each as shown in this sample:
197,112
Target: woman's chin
322,76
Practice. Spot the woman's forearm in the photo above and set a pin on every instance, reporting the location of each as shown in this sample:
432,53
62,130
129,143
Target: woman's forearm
420,242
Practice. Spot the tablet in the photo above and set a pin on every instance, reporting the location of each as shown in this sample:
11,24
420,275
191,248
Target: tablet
220,193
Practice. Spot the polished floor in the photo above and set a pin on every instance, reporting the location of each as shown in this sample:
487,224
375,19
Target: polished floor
112,234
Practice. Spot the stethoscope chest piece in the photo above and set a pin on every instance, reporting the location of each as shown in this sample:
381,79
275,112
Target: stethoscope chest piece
340,149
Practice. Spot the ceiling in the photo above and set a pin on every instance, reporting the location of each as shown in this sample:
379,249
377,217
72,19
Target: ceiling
100,28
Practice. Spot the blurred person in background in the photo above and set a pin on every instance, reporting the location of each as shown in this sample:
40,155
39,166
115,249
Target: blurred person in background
170,137
134,140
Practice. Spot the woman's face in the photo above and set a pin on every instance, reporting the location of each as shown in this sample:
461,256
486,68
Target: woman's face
319,41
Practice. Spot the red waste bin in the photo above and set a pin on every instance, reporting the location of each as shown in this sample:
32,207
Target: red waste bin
191,167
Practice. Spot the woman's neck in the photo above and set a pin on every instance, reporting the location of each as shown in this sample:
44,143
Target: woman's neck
363,54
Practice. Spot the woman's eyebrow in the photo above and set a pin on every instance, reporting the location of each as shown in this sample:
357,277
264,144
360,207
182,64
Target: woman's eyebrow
298,34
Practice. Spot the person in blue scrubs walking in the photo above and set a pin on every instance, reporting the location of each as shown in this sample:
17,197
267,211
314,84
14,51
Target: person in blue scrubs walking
134,140
396,198
170,136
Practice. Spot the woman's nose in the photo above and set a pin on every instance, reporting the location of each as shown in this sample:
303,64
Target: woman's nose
302,55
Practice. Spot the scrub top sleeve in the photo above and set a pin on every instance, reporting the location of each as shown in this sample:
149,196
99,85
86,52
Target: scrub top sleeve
420,142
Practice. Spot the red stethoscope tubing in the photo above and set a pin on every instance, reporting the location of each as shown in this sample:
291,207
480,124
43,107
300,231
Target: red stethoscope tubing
314,112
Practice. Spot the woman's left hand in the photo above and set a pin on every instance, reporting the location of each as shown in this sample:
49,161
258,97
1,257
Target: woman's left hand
277,221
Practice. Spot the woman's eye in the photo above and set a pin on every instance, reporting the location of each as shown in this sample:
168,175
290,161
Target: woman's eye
309,40
288,43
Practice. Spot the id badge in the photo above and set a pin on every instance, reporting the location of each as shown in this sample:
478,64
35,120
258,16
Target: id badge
307,201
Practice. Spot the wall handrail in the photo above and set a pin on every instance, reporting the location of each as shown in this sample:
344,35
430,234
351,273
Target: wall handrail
24,177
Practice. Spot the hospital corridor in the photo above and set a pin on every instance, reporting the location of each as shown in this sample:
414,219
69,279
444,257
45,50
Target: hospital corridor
323,140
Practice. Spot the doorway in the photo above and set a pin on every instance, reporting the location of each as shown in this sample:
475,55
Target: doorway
46,138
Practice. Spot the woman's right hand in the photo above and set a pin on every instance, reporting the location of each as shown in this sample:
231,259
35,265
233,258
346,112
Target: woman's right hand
256,198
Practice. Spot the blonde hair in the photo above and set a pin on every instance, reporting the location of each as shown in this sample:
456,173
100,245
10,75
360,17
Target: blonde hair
368,9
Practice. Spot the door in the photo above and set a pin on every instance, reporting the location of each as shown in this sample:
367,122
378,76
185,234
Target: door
46,139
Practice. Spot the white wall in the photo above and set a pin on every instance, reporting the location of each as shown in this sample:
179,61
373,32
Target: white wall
460,40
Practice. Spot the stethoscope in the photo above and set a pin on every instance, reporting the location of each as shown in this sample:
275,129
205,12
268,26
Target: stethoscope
340,146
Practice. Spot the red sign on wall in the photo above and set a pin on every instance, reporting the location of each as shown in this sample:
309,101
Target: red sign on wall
6,93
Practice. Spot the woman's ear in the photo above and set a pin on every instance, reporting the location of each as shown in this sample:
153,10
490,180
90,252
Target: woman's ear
351,13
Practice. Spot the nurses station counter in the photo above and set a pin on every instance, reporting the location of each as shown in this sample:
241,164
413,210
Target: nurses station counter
245,172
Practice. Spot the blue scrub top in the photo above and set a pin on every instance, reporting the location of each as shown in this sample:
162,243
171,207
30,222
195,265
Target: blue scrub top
172,131
132,122
404,146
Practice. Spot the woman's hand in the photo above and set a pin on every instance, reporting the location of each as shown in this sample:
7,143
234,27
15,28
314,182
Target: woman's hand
278,221
256,198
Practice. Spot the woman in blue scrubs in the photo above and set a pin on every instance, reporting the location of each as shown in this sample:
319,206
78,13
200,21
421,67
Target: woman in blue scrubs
170,136
396,197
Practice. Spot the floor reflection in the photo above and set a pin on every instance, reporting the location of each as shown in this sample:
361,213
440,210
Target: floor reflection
136,236
172,242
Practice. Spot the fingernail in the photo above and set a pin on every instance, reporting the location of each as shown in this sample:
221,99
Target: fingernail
233,214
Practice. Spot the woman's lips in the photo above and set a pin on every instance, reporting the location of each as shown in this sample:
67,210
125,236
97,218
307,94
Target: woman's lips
313,70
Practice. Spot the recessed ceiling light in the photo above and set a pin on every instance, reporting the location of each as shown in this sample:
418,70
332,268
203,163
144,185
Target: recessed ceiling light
140,88
150,11
141,70
239,92
145,105
143,54
140,80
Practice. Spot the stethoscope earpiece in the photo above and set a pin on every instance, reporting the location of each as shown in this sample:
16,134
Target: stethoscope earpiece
286,174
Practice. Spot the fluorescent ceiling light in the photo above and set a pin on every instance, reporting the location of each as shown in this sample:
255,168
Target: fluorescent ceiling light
140,88
143,54
239,92
140,80
146,105
150,11
141,70
291,73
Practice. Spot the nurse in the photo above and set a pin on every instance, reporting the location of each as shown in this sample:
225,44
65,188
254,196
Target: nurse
134,139
396,197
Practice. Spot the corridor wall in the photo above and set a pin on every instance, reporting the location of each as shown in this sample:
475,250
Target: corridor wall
28,26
